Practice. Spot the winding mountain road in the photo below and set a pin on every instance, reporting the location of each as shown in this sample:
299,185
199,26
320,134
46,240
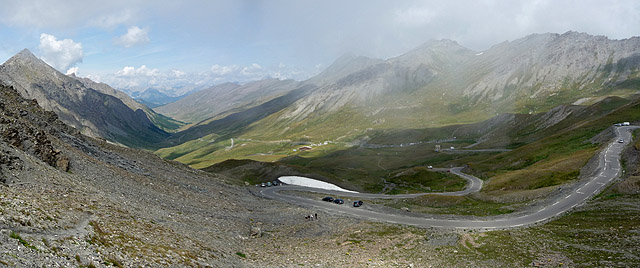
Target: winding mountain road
609,168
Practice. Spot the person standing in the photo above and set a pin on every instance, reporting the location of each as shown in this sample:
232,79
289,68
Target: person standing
316,216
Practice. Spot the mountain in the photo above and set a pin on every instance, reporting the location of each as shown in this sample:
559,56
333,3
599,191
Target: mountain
78,103
225,97
153,98
437,84
551,68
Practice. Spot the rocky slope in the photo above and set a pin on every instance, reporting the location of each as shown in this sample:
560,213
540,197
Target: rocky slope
69,200
80,102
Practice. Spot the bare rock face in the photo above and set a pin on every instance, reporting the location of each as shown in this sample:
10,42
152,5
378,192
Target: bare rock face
26,127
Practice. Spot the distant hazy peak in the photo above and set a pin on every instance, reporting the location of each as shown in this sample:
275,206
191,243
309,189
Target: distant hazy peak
442,43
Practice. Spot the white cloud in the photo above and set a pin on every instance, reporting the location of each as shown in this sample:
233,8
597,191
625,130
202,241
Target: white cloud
223,70
253,69
142,71
134,36
178,73
61,54
72,70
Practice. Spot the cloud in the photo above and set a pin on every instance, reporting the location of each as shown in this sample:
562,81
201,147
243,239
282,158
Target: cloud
223,70
178,73
253,69
142,71
134,36
110,21
72,70
252,72
61,54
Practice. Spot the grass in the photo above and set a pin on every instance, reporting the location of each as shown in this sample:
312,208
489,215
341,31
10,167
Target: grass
242,255
16,236
552,171
420,179
163,122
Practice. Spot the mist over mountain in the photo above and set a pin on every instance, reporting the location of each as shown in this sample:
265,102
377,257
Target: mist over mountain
511,76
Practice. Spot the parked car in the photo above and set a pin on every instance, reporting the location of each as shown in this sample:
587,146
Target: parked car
620,141
625,123
269,184
276,183
338,201
430,167
618,124
263,184
357,203
328,199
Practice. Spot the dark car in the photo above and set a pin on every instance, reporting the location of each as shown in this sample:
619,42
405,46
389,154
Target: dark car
357,203
328,199
276,183
338,201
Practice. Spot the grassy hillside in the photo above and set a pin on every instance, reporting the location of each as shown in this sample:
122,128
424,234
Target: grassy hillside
542,160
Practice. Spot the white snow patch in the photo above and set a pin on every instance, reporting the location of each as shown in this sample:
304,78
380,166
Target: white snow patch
307,182
478,54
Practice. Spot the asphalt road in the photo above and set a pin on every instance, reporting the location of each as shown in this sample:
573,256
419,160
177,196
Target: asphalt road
608,169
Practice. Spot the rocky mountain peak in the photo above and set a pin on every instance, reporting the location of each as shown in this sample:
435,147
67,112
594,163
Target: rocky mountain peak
27,61
25,54
24,57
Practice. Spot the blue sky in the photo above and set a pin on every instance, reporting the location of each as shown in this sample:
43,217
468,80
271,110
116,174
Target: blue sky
171,44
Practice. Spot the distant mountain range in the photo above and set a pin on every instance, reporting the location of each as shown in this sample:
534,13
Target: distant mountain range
153,98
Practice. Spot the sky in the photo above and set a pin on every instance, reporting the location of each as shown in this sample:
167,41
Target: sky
178,45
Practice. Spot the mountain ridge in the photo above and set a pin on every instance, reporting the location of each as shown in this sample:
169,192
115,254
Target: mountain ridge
78,104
